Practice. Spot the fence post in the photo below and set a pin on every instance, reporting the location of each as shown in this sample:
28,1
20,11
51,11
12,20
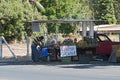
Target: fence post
0,47
9,48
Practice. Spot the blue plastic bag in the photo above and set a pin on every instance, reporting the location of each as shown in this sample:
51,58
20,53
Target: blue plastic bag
44,52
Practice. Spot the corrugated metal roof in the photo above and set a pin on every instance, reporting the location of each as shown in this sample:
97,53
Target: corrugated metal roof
112,27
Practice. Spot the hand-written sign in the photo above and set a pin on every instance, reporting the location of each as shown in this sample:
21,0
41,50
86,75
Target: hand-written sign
68,51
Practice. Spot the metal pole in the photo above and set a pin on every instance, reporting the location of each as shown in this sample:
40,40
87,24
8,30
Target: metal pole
0,47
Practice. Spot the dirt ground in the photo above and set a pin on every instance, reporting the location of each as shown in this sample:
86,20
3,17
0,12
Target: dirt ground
19,49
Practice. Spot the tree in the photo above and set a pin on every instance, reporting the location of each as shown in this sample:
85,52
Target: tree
36,4
104,10
117,10
65,9
13,18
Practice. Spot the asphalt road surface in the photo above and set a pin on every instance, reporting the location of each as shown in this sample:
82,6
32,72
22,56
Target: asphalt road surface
56,71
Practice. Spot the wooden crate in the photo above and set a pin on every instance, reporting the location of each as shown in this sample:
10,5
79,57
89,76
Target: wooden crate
115,55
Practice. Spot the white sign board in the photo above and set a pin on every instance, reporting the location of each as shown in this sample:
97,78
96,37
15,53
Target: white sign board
67,51
35,27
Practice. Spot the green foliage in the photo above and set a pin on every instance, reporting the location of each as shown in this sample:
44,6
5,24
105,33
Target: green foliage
65,9
117,10
13,18
15,14
104,10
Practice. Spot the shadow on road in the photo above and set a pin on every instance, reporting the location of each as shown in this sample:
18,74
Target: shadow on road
74,65
91,65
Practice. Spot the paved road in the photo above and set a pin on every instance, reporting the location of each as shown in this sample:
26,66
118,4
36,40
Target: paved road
55,71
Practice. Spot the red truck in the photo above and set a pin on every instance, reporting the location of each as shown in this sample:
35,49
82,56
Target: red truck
104,44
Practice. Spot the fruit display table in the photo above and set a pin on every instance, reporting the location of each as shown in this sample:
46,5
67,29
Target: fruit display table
84,49
84,54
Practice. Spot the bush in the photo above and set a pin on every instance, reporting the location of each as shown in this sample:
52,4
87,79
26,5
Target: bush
13,17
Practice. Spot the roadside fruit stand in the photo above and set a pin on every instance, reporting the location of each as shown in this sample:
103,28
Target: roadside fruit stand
69,48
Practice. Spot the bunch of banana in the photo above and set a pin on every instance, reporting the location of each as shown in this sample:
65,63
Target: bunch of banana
82,43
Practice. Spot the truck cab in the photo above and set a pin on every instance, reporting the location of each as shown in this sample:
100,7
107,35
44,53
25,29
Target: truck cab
104,44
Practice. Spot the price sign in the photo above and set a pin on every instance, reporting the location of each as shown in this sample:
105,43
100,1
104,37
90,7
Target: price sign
68,51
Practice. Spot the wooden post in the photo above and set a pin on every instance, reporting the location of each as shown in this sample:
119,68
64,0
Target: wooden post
119,36
84,29
0,47
113,57
9,48
27,42
28,55
91,32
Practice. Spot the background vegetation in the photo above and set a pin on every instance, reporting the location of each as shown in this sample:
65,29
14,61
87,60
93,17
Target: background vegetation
14,14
